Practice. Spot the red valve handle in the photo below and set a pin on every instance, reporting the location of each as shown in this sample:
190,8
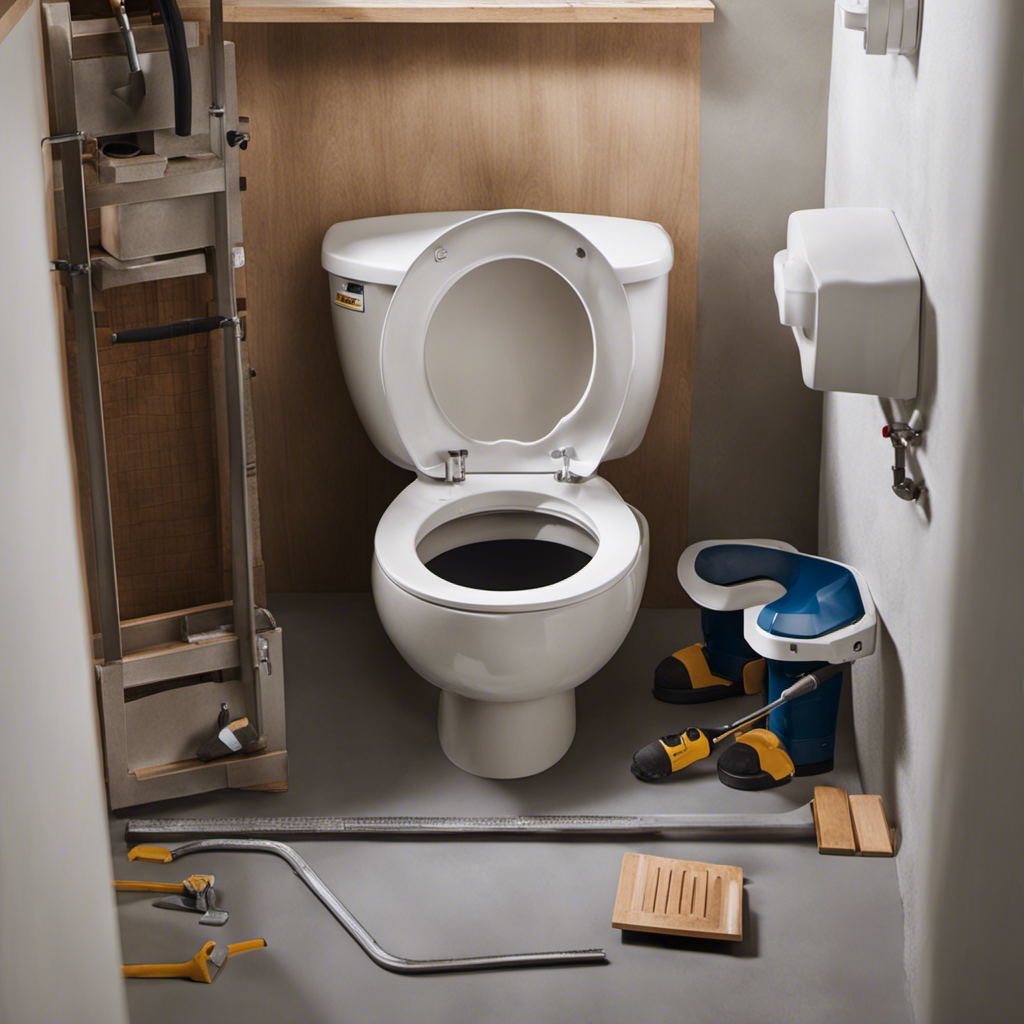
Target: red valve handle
885,430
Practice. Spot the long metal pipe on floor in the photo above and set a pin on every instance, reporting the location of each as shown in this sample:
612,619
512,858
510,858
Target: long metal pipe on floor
795,824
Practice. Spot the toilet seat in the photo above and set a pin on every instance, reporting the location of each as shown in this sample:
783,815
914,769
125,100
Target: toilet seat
427,504
425,431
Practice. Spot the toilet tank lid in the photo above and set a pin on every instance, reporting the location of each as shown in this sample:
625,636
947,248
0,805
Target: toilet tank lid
381,249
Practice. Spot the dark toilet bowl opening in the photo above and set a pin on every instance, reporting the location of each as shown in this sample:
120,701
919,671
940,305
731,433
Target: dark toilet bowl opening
507,550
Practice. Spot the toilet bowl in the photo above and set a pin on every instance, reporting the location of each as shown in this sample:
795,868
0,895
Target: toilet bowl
507,661
503,356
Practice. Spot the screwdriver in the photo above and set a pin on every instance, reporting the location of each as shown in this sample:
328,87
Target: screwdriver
672,753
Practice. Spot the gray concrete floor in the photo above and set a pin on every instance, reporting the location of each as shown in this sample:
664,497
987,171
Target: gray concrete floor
823,936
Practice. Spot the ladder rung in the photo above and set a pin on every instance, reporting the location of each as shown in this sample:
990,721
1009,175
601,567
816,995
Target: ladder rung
181,659
183,177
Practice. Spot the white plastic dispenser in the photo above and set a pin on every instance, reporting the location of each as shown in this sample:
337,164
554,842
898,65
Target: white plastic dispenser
848,286
889,26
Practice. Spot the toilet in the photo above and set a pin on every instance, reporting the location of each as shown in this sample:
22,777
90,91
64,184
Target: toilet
503,356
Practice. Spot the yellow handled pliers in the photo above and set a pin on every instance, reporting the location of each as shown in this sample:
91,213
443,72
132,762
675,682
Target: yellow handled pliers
212,955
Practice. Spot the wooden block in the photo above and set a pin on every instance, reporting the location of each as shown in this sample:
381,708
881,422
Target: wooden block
832,821
679,897
870,826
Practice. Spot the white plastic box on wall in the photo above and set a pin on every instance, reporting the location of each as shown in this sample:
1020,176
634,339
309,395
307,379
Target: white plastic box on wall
889,26
848,286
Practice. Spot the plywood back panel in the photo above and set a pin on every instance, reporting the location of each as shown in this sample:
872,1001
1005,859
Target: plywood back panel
161,451
364,120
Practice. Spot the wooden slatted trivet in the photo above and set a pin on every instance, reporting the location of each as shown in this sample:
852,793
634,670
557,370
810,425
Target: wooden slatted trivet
679,897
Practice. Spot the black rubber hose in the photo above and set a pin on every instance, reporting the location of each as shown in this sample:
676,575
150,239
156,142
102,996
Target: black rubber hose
178,329
181,70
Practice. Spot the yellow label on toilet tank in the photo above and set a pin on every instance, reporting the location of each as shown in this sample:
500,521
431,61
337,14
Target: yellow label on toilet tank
351,297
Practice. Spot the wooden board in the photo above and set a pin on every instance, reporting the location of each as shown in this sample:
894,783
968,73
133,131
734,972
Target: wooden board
679,897
172,725
832,821
161,453
870,826
363,120
237,771
504,11
169,722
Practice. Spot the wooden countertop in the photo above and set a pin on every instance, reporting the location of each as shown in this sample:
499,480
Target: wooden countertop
492,11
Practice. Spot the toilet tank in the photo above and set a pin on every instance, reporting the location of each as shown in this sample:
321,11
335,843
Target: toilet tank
366,259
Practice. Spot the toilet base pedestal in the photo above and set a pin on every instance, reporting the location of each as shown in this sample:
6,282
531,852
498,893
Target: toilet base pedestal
506,740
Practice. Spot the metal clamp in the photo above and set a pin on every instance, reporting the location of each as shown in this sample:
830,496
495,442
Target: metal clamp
57,140
455,465
565,475
69,268
263,653
903,436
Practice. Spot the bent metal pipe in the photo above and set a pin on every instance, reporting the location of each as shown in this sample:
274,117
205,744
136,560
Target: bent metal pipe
373,949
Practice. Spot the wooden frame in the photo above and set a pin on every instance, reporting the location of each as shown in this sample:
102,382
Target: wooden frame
167,725
163,679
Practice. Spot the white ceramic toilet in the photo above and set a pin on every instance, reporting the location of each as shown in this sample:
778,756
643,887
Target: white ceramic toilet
503,356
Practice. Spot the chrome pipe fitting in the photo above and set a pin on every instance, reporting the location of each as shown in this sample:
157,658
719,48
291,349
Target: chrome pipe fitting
903,436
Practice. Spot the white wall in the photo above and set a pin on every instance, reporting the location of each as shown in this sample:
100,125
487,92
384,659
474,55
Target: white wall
755,429
58,925
938,709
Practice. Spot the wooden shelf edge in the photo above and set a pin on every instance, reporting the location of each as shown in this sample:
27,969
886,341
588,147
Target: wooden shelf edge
110,272
457,11
157,771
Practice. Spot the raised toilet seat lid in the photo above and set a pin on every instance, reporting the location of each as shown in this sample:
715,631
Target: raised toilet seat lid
425,431
427,504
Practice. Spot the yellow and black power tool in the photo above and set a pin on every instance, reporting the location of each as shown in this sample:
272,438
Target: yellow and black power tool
769,764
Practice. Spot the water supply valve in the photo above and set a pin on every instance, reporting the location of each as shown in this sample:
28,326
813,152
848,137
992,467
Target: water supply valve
903,435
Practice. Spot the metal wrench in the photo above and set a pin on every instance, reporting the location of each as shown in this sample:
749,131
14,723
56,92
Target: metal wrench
195,895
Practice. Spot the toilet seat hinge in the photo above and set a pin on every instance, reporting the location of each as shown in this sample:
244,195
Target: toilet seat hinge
565,475
455,465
